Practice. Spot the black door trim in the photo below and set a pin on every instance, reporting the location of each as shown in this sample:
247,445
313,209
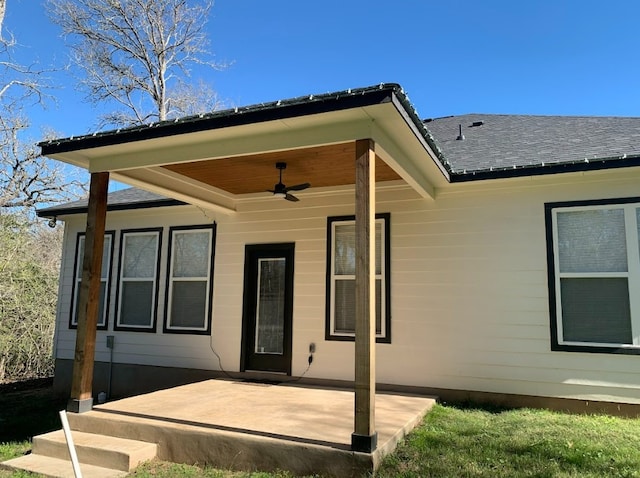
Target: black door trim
253,252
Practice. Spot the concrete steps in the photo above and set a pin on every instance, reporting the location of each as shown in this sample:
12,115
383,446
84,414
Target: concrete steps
57,468
100,456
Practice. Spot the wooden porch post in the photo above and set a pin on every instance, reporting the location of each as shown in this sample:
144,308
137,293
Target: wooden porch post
364,438
89,296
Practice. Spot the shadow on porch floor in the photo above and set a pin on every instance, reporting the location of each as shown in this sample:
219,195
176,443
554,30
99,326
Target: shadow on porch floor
252,426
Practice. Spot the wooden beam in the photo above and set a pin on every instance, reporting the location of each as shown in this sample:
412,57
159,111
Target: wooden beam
89,296
364,438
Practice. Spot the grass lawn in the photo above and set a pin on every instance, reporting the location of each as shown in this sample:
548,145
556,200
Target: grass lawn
475,442
451,442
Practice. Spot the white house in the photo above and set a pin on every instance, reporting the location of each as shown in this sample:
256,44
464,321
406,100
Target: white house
507,251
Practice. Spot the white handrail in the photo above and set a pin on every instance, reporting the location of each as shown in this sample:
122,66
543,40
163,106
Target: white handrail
72,448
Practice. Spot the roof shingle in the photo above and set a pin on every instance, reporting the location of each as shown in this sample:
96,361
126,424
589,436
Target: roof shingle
507,141
130,198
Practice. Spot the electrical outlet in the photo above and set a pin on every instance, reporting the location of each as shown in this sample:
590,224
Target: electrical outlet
312,348
110,340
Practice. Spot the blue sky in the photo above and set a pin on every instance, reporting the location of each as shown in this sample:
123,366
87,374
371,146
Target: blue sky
452,57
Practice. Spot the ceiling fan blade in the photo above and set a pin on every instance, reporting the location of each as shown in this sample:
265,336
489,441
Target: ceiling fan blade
297,187
291,197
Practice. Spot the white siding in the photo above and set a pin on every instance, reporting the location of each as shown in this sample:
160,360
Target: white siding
469,289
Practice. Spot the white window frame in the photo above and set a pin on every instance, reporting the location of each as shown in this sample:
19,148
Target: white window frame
103,321
157,232
632,275
331,333
205,329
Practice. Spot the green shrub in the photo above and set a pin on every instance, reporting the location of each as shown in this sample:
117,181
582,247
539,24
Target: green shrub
29,265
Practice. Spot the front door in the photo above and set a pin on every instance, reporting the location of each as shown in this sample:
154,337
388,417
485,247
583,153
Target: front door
268,308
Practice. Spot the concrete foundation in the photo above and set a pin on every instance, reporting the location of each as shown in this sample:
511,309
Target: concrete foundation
130,379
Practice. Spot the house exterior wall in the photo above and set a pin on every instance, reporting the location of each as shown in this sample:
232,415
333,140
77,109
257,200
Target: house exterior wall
469,292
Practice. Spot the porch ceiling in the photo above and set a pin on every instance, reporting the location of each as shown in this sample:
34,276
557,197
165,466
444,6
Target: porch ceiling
210,161
322,166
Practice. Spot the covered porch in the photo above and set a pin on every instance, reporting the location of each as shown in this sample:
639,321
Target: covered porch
354,139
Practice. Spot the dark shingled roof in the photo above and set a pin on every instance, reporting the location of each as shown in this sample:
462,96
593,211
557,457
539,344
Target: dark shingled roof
130,198
502,143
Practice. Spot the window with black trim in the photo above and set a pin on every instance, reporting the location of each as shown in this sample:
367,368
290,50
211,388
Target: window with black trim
138,279
105,280
341,264
189,279
594,275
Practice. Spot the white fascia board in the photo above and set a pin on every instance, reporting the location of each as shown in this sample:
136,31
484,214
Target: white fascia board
205,147
420,138
75,158
400,161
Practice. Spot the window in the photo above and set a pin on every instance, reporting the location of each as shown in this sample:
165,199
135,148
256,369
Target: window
105,280
189,284
341,280
594,275
138,279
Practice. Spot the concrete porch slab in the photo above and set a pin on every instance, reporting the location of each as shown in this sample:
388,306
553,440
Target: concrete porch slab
253,426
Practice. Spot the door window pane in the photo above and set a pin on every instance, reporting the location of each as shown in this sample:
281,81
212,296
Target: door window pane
270,306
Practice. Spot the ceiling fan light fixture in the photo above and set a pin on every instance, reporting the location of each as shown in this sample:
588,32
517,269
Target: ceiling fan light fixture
281,191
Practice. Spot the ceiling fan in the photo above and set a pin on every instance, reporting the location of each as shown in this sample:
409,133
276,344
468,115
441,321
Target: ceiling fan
280,190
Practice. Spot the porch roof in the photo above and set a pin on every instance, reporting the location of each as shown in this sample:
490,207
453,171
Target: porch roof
209,160
122,200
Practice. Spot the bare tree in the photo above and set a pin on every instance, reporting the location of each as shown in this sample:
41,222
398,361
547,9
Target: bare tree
137,53
26,178
17,81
